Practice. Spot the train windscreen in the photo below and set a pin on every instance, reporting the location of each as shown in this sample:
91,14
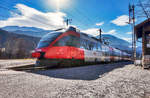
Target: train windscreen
47,39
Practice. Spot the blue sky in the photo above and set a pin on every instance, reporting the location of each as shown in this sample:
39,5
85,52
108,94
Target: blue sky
88,15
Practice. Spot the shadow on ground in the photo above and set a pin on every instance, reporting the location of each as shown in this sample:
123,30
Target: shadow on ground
92,72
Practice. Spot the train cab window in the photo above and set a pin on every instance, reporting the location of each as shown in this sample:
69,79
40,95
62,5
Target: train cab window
62,41
68,41
74,41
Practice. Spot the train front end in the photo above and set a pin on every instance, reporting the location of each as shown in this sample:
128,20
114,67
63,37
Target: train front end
43,47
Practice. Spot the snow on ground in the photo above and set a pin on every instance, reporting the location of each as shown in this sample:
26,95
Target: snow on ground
118,80
15,63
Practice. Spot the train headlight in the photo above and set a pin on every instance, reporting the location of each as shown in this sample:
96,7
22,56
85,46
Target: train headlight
36,54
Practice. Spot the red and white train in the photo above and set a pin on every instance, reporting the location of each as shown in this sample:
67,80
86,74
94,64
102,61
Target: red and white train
72,47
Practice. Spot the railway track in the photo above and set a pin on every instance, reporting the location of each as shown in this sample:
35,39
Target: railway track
27,68
32,67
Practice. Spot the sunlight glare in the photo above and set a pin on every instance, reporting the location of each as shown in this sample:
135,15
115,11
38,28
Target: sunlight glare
58,4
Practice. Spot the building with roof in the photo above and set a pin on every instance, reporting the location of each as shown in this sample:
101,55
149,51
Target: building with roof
142,30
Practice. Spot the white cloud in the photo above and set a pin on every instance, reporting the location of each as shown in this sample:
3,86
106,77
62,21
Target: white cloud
95,32
129,32
31,17
100,23
121,20
91,31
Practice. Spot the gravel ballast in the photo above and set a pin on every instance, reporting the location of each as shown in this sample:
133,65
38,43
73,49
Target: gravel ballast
118,80
16,63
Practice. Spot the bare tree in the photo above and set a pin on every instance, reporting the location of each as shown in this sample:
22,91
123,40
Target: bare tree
20,48
15,48
9,48
143,9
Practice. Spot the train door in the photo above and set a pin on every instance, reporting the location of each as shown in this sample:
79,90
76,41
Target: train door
85,45
99,52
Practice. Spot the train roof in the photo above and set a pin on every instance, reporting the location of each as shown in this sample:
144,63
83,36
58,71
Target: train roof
82,33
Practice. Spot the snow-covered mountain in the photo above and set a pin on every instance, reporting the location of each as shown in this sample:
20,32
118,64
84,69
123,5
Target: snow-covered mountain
120,43
30,31
117,42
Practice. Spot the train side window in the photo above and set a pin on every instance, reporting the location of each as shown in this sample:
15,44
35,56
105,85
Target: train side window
81,44
112,52
91,45
95,46
104,50
108,52
84,44
87,44
99,47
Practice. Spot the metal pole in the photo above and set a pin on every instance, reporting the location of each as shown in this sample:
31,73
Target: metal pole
132,42
68,21
132,27
134,33
100,35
